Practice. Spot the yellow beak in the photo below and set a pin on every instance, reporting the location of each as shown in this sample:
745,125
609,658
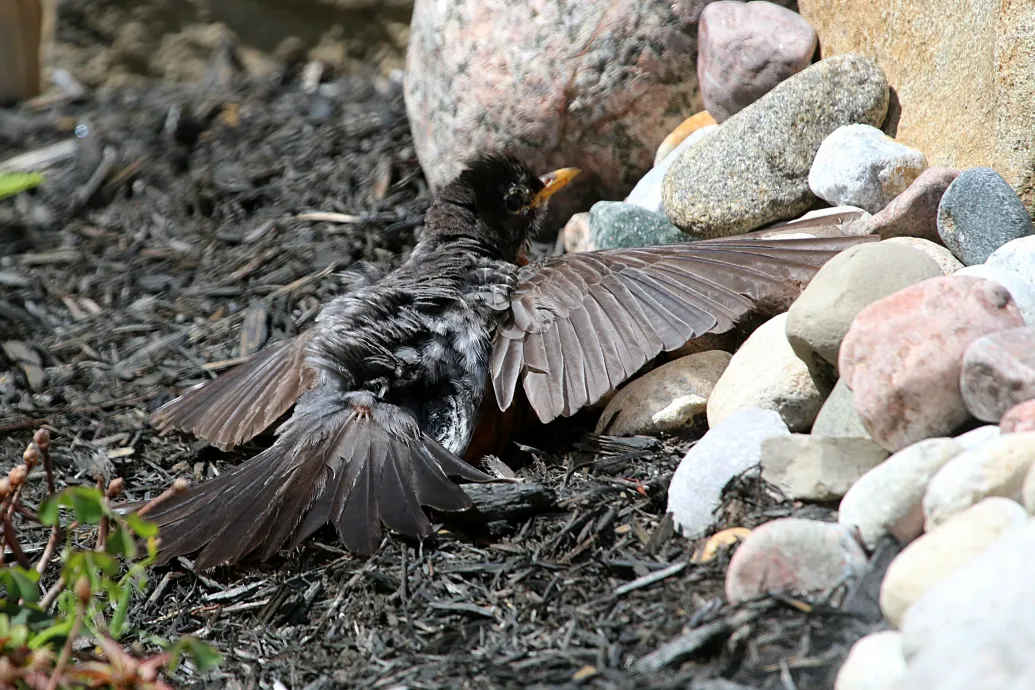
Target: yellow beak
553,182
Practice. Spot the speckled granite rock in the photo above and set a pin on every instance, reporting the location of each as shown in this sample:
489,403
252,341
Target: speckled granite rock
592,85
979,213
731,182
747,48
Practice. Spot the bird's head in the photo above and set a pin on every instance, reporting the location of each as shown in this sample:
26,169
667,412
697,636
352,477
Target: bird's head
508,199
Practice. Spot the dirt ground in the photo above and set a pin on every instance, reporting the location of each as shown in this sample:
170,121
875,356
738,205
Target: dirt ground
168,243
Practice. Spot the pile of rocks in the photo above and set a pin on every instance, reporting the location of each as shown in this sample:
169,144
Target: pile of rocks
900,383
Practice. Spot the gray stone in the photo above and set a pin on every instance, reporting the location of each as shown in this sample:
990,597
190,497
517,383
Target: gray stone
838,417
979,213
889,498
818,468
732,182
664,399
999,372
614,224
819,319
745,50
728,449
860,165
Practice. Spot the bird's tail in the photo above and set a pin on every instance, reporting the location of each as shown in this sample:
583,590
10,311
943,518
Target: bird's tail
352,461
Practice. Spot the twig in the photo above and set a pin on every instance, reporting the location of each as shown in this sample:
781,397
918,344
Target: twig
87,191
179,486
41,158
52,594
651,578
66,651
329,217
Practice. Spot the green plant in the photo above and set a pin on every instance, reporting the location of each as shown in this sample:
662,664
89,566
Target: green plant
38,630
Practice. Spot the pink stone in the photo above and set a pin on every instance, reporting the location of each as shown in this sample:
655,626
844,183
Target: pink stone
914,212
793,555
999,372
745,50
903,354
596,85
1020,417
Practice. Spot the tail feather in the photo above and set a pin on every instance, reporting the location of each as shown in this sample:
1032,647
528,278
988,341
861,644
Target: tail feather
354,462
244,401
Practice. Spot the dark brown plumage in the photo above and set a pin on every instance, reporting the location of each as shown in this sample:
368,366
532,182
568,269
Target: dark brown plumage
387,386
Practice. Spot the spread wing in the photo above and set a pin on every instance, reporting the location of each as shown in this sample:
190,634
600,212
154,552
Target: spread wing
581,324
242,402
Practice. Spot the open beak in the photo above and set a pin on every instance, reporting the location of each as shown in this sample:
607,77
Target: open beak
553,182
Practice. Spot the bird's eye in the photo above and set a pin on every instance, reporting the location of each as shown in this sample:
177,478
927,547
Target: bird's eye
514,203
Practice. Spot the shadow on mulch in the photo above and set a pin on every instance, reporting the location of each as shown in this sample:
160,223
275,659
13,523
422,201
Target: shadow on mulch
172,239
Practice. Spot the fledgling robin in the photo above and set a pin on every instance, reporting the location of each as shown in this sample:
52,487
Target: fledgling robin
388,383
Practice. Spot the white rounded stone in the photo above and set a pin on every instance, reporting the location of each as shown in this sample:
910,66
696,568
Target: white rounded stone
996,468
888,499
941,255
875,662
724,452
935,556
859,165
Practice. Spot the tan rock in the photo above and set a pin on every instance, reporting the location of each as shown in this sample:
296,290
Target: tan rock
667,398
817,468
938,54
766,373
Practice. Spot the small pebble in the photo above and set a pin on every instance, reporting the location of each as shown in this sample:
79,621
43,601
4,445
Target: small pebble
994,588
875,662
793,555
615,224
576,234
996,468
999,372
1022,291
724,452
680,133
664,399
914,212
942,256
647,192
979,213
860,165
903,354
838,417
745,49
820,317
1020,417
807,467
889,498
937,555
731,182
766,373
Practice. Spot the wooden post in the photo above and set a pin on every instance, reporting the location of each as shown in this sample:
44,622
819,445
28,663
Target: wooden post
20,25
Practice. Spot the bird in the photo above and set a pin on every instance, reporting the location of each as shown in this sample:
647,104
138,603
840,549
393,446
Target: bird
385,388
